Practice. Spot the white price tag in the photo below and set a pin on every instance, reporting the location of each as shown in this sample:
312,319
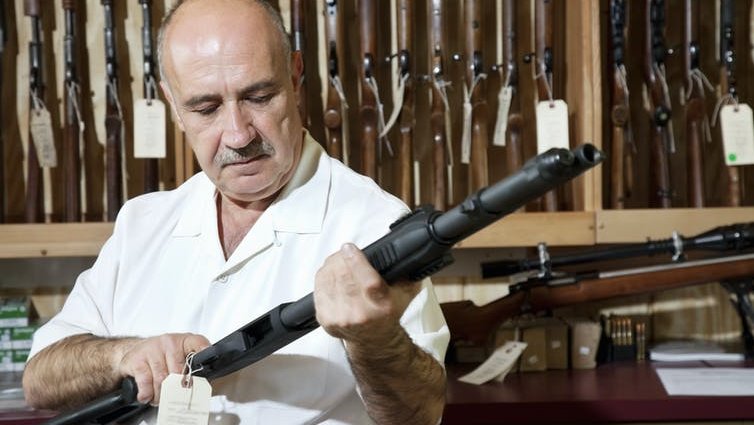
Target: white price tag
181,405
497,365
738,134
149,129
40,126
552,125
504,98
466,136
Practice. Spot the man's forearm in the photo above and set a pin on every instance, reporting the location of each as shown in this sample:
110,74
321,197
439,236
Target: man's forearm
400,383
73,371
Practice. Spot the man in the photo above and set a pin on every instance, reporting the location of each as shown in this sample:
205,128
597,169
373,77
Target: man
184,268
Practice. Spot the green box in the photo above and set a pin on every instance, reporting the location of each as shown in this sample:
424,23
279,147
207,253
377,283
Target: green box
14,312
21,337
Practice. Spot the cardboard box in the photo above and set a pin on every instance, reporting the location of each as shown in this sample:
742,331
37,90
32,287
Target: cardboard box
534,357
585,338
557,345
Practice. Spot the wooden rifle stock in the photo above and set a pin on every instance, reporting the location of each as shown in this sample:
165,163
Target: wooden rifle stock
437,104
113,121
728,86
661,140
475,68
34,190
71,140
694,109
514,150
468,322
368,107
333,117
621,113
405,11
543,17
151,165
298,16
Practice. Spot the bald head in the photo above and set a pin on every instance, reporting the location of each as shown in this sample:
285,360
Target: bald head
196,11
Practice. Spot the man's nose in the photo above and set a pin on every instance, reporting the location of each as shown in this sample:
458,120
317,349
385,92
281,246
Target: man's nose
238,130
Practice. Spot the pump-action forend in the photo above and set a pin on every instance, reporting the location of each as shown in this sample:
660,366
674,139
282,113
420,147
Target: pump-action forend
417,246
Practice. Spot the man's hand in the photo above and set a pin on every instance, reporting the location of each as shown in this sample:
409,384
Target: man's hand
150,361
355,304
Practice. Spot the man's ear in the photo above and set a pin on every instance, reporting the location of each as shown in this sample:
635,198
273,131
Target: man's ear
169,96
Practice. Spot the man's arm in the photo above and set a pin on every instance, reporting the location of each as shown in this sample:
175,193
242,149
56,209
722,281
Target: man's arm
399,382
79,368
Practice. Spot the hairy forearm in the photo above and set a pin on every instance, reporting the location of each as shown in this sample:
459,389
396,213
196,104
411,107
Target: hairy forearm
400,383
73,371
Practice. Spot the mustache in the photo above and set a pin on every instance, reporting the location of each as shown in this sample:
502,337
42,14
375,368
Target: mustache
252,150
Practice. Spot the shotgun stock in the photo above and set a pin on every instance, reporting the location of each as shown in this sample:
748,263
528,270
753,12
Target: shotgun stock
71,134
438,105
368,107
113,120
468,322
34,189
728,86
475,85
543,17
662,142
151,165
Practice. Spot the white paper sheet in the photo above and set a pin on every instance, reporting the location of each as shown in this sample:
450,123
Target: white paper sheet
712,381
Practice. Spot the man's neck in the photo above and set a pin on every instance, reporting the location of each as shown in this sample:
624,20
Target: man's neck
235,219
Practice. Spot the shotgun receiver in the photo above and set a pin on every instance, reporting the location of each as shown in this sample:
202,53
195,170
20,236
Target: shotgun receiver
417,246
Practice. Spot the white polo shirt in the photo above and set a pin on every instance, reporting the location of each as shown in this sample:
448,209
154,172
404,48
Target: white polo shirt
163,270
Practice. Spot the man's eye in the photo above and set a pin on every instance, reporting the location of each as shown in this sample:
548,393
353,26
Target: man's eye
260,99
206,110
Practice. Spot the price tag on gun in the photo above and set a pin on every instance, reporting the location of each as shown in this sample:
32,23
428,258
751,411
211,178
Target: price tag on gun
497,365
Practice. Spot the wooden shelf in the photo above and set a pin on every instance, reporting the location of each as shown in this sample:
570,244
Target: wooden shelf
513,231
53,239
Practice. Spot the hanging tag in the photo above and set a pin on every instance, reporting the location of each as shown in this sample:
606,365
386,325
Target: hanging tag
552,125
149,129
181,405
497,365
40,126
738,134
504,98
466,138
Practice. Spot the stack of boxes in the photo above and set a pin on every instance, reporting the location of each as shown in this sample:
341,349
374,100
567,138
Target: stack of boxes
15,334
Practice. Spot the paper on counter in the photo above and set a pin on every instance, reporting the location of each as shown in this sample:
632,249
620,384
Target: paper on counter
497,365
710,381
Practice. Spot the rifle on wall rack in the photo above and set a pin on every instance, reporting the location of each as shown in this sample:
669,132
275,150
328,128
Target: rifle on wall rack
404,22
662,142
514,147
336,108
35,193
298,44
417,246
75,203
475,138
696,116
439,120
621,164
543,42
728,86
114,152
151,165
368,67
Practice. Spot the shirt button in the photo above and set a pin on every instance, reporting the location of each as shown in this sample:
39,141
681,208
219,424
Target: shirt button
222,279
